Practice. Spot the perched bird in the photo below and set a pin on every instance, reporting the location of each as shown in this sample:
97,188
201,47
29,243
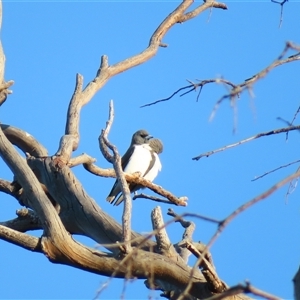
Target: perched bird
142,157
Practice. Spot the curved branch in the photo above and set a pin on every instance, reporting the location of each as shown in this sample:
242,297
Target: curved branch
23,140
80,97
81,159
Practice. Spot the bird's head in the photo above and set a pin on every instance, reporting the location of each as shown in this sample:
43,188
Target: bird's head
141,137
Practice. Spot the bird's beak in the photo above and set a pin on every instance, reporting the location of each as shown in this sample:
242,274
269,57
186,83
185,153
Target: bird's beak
149,137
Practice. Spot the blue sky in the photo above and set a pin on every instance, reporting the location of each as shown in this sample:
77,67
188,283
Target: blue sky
47,43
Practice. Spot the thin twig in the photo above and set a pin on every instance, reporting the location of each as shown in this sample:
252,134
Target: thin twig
243,288
192,87
292,186
283,166
281,3
276,131
104,135
153,198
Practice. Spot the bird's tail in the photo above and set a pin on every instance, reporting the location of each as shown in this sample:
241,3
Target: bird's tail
110,199
119,200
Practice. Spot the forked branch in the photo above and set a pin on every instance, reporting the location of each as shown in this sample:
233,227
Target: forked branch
236,89
81,96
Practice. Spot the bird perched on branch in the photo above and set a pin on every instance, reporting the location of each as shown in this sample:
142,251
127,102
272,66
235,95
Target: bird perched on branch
142,157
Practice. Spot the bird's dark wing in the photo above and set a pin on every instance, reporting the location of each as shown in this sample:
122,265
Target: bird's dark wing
126,157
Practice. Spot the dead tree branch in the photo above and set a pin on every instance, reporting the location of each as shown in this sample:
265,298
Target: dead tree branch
186,237
20,239
24,141
281,3
250,203
237,89
276,131
69,142
134,178
193,87
164,245
27,220
126,217
246,288
276,169
153,198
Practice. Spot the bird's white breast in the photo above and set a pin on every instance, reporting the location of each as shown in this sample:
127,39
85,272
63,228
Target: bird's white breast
139,160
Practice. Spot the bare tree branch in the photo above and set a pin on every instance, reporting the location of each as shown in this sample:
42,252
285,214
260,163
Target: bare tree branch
23,240
27,220
226,221
281,3
215,283
193,87
164,245
296,281
276,131
153,198
24,141
105,72
126,217
250,203
289,123
237,89
135,178
186,237
207,4
276,169
81,159
246,288
7,187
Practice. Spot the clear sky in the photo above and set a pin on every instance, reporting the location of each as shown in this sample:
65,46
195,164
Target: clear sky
47,43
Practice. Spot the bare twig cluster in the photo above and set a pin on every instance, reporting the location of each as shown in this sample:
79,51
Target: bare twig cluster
237,89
